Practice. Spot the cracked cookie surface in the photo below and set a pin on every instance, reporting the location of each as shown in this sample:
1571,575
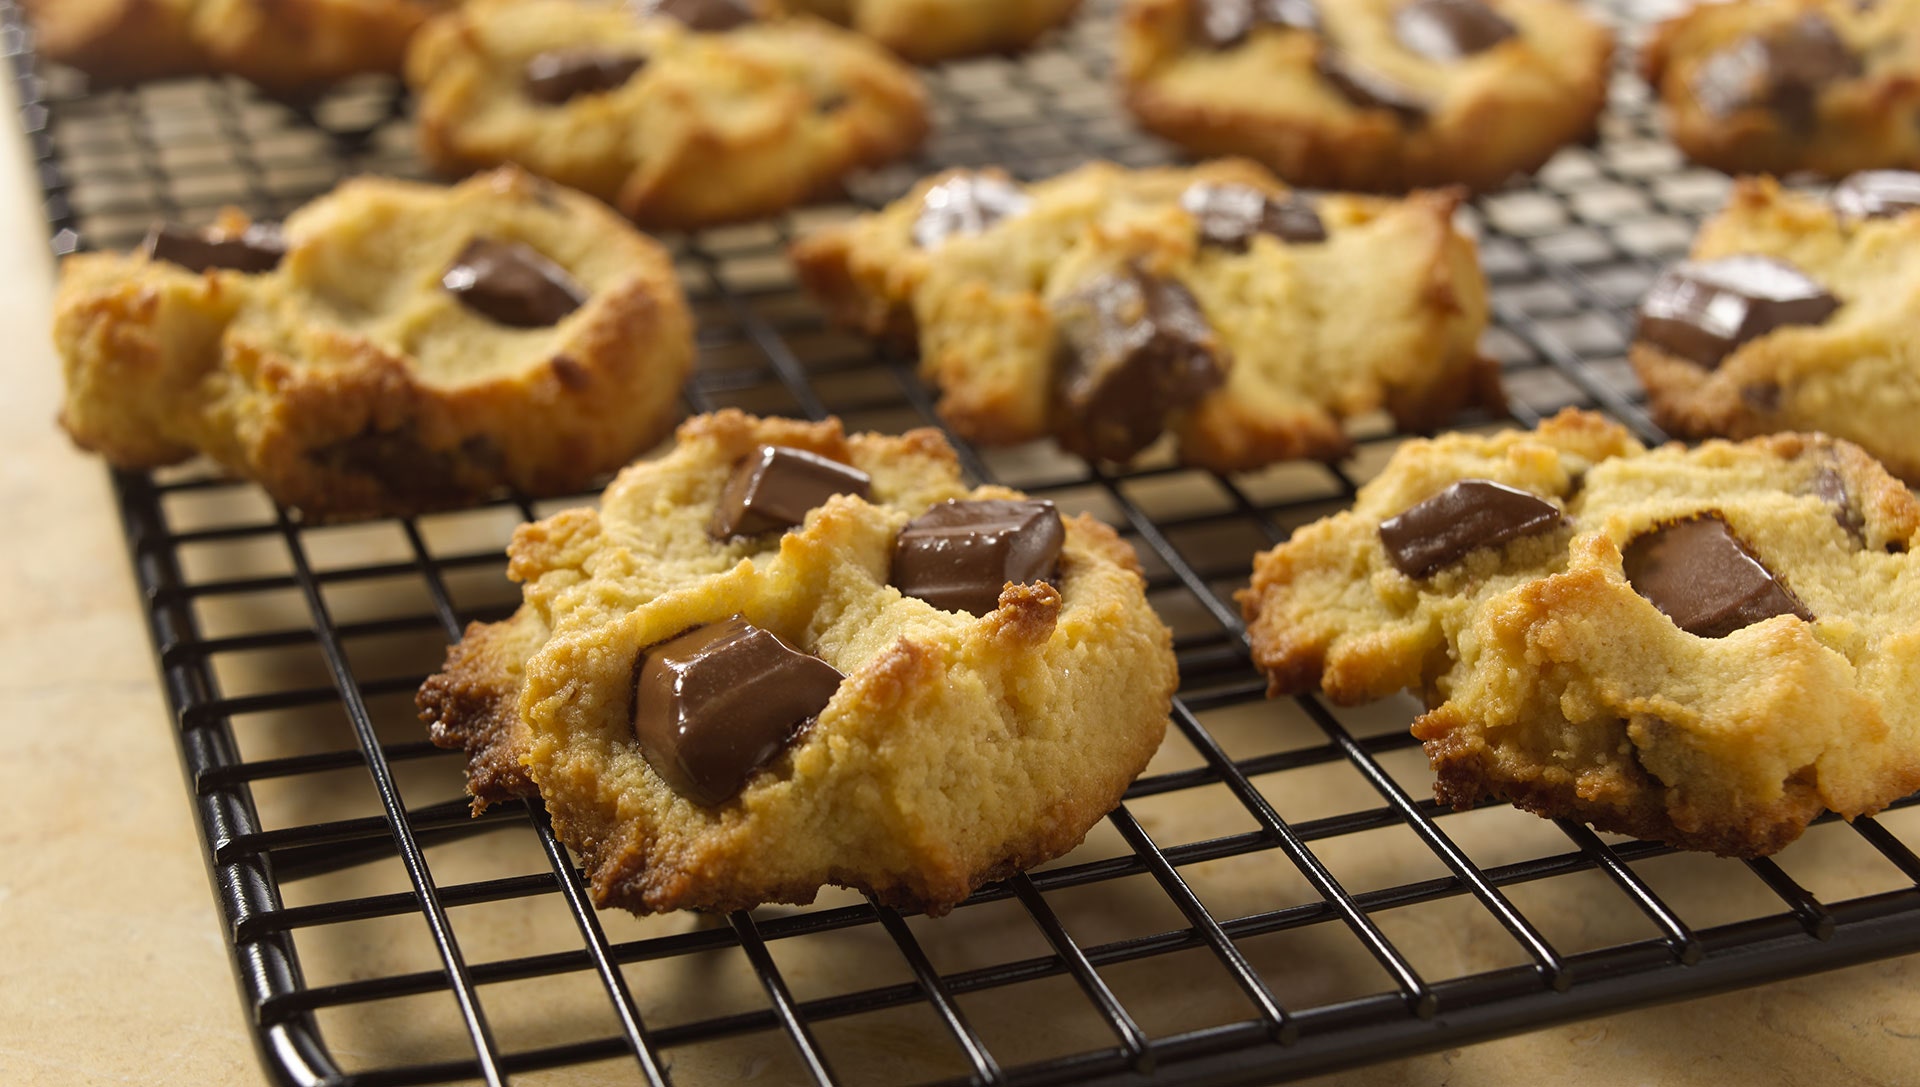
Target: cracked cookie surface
957,749
1556,665
1034,305
350,381
676,127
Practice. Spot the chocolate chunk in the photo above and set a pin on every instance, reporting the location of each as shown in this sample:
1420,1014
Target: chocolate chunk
512,283
1783,71
561,75
1703,310
776,486
1230,215
715,704
1222,24
1830,487
966,204
256,249
1369,89
706,16
1134,349
1700,574
1762,396
1467,516
957,556
1449,30
1878,194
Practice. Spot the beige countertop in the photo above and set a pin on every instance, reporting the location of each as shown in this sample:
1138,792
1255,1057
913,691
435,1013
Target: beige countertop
112,968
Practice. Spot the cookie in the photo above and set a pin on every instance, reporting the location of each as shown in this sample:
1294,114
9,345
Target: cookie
1106,306
1703,646
1776,86
285,46
1376,95
395,347
1794,312
967,681
926,31
676,123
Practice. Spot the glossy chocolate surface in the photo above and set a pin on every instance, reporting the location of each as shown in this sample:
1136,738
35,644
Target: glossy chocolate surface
1134,348
706,16
1878,194
1700,574
1703,310
1783,71
1369,89
1230,215
561,75
966,204
1449,30
957,556
258,248
715,704
512,284
776,486
1222,24
1467,516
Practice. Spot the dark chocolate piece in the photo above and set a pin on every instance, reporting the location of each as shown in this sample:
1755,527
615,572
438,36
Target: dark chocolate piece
512,283
1703,310
1830,487
706,16
1782,71
1369,89
561,75
1230,215
1700,574
1878,194
776,486
1134,348
1449,30
258,248
1467,516
957,556
966,204
715,704
1222,24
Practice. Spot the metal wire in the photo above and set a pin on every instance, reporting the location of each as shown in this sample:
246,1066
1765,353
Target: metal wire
1563,263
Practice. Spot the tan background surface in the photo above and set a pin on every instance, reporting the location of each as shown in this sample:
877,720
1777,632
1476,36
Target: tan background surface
112,968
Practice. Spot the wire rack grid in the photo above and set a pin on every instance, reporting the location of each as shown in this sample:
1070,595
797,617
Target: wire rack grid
1274,898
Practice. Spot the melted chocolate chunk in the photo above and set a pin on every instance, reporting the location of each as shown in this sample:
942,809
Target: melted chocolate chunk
561,75
715,704
1449,30
256,249
966,204
1830,487
1878,194
1230,215
1467,516
1134,349
512,283
1222,24
1783,71
706,16
1369,89
776,486
1700,574
957,556
1703,310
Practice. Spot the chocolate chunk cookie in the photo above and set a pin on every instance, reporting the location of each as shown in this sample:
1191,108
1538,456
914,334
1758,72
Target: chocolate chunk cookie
907,687
679,114
395,347
1107,307
1708,647
1383,95
1774,86
1795,312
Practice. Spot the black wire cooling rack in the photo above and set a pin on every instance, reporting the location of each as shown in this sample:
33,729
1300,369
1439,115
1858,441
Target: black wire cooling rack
1274,898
